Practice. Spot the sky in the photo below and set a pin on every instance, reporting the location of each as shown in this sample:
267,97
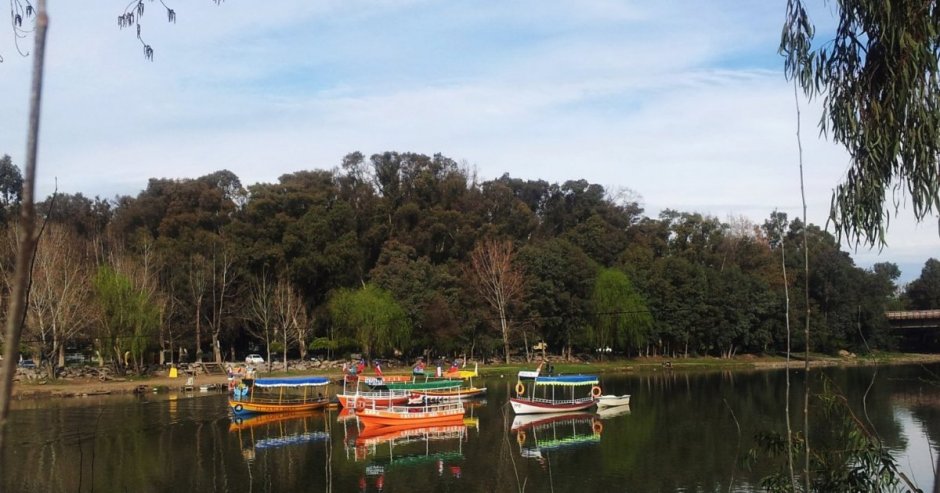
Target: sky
684,104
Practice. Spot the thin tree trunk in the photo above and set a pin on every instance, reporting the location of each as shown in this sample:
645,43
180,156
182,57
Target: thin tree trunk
16,306
806,450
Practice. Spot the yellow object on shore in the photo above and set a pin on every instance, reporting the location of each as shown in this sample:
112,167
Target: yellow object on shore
173,373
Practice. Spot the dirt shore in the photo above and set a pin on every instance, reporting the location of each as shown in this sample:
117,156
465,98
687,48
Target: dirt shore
90,386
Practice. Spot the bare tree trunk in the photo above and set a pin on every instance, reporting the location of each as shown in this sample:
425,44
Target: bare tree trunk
16,307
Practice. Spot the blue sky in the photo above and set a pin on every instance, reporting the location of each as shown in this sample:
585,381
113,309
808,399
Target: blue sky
683,103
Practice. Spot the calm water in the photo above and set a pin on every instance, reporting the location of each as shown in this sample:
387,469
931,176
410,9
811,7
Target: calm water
680,434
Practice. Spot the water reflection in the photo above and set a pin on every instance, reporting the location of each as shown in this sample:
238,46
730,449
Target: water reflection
267,431
613,412
538,435
683,432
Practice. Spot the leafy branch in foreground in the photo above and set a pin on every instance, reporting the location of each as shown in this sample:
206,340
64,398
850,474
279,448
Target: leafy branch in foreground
881,100
848,458
135,11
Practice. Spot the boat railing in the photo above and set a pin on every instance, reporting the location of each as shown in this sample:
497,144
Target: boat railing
265,399
577,400
423,408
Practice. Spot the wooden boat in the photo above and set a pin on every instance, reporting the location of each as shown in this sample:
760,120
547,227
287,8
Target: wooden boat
424,415
378,397
277,395
428,388
613,400
465,391
553,394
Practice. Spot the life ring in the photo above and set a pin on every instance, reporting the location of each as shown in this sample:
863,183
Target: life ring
598,427
239,408
360,404
520,437
595,391
520,389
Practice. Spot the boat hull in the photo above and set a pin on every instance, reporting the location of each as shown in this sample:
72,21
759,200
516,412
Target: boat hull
463,393
248,407
528,406
410,416
350,401
613,400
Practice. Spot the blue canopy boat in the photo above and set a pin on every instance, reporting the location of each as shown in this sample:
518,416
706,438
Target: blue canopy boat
276,395
554,394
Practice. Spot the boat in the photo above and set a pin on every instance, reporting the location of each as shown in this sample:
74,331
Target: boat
378,396
392,394
463,391
423,415
277,395
552,394
429,388
613,400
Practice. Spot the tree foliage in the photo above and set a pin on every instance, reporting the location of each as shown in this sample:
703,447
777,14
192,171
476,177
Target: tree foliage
621,317
372,317
879,80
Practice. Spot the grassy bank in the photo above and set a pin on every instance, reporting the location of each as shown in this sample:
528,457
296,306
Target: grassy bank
79,387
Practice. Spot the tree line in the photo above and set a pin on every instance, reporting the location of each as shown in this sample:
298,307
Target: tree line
406,254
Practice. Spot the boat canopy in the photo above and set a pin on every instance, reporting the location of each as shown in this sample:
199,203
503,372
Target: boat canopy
291,382
431,385
568,380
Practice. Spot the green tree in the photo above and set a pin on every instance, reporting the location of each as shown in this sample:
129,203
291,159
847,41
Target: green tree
11,187
621,318
923,293
559,278
371,316
128,318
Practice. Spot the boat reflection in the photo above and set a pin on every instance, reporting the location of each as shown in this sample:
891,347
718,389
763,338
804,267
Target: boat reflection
389,447
613,412
541,433
267,431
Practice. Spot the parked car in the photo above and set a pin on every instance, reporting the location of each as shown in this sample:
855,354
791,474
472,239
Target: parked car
27,363
254,359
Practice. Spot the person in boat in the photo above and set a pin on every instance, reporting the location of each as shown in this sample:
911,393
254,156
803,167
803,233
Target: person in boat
454,368
419,368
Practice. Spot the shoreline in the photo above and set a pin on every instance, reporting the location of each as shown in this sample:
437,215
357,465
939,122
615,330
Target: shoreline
93,386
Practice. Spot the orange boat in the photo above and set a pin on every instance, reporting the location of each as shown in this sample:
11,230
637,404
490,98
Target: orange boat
427,414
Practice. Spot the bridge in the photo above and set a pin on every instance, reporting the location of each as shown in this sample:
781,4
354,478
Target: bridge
919,330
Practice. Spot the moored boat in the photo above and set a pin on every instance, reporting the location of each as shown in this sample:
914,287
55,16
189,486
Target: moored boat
277,395
554,394
379,396
427,414
613,400
465,390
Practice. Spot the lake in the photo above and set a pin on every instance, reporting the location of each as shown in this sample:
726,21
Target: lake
685,432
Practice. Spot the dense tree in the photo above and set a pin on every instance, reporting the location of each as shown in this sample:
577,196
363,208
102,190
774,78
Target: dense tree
923,293
11,186
559,278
